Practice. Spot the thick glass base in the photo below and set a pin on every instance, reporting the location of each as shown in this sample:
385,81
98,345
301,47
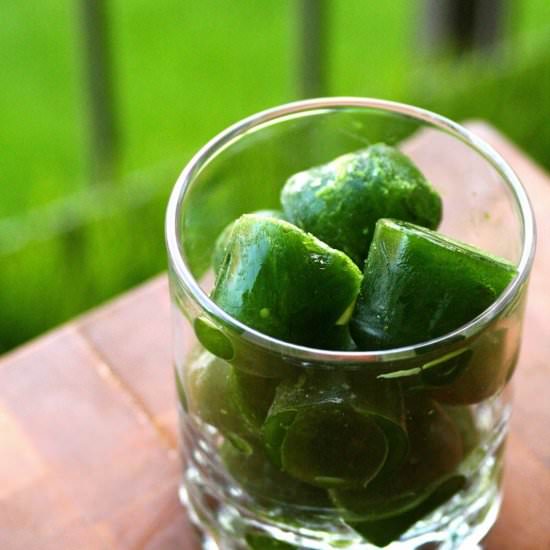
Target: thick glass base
227,524
231,518
224,527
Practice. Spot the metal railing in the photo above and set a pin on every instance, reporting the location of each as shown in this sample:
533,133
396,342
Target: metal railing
461,25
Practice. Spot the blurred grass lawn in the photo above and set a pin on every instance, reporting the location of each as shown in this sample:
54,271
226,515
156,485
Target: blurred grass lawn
184,71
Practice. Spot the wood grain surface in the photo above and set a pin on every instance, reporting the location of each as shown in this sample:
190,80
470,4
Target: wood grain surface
88,439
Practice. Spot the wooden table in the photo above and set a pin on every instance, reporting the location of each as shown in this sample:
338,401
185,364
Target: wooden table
88,445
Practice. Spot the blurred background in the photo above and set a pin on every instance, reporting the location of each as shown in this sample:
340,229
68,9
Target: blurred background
103,102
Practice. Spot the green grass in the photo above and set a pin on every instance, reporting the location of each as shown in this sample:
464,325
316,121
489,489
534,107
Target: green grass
184,77
184,71
110,239
41,122
370,47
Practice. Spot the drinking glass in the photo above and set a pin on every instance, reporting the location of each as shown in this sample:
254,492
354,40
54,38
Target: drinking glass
434,415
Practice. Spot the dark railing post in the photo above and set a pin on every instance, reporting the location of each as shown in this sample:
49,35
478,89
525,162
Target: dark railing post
490,15
99,78
463,25
312,40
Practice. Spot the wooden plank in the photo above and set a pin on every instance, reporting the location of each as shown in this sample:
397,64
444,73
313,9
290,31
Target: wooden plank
133,335
523,522
88,431
93,464
531,416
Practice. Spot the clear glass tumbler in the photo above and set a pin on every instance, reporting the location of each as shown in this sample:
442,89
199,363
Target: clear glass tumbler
437,410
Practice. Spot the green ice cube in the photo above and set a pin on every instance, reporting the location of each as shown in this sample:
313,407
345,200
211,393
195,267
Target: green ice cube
222,242
383,531
340,202
211,395
436,449
419,285
329,432
285,283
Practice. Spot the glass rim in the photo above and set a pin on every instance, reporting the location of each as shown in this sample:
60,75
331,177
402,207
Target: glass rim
312,106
